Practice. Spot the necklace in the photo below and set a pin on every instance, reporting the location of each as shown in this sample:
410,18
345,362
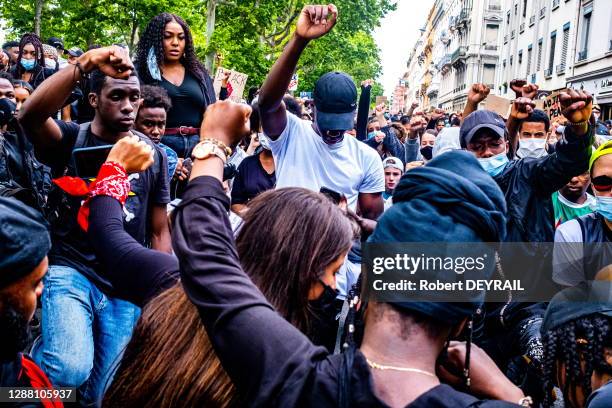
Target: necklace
404,369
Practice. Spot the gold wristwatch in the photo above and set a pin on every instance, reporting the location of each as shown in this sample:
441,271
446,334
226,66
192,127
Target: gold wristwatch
206,149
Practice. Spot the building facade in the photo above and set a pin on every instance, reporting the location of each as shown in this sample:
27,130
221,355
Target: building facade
554,43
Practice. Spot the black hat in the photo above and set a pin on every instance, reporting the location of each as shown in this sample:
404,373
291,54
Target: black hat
56,42
335,97
481,119
25,240
594,297
74,52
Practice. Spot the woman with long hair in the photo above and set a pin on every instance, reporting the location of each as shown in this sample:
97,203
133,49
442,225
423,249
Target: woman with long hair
166,57
292,242
30,66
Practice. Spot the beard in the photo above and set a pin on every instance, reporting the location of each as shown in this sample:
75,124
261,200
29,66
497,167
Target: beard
16,333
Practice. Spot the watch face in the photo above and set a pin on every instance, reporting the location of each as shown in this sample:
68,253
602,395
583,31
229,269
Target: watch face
201,151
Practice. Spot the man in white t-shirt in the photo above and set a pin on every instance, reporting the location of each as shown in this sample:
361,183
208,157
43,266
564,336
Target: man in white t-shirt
317,154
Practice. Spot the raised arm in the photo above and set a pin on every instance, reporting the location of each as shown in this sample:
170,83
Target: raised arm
268,359
36,114
314,22
572,154
137,273
363,110
521,108
476,94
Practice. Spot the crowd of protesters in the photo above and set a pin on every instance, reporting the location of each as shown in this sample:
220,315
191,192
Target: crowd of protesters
170,248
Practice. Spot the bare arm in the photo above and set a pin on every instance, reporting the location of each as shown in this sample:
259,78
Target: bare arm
371,205
477,94
314,22
160,233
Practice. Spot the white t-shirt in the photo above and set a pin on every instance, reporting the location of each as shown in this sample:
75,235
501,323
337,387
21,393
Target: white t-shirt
302,159
568,267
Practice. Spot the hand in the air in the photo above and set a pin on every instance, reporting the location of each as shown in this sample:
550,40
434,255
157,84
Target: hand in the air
113,61
478,93
522,108
226,121
132,154
315,21
517,86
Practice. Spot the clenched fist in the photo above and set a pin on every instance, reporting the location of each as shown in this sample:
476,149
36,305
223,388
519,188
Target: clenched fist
316,21
522,108
226,121
478,93
517,86
113,61
577,107
132,154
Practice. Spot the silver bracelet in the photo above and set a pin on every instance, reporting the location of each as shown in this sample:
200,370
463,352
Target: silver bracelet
586,122
525,402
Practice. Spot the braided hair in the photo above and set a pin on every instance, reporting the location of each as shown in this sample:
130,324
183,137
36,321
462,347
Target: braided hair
153,36
577,342
30,38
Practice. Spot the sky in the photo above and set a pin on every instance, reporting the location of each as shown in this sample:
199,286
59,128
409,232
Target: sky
397,35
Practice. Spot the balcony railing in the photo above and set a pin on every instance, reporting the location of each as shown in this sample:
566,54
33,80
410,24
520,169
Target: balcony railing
490,47
560,69
512,34
555,4
445,60
543,12
582,55
548,72
494,7
532,20
522,27
459,54
506,39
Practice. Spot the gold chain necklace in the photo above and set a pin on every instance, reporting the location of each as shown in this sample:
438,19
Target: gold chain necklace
404,369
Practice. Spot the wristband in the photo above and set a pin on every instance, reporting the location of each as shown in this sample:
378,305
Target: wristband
228,151
583,123
525,402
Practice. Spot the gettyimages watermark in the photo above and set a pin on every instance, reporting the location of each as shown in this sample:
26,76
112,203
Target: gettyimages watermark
461,272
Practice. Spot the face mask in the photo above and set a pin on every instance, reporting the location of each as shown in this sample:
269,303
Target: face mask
264,141
28,65
371,135
494,165
427,152
604,207
49,63
532,148
325,312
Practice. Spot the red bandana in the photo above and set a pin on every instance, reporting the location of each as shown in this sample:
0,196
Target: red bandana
38,380
112,181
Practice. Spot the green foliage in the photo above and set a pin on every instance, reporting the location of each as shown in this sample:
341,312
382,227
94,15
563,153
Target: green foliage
249,34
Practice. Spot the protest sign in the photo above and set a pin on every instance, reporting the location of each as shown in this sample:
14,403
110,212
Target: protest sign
235,85
498,104
552,107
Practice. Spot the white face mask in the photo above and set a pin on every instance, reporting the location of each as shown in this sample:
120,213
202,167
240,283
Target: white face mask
264,141
532,148
49,63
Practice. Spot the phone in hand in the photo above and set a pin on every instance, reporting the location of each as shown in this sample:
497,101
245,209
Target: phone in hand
88,160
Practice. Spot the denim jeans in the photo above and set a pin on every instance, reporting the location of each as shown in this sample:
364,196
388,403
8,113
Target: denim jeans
84,333
182,145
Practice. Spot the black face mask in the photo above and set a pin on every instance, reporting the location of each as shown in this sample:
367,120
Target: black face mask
324,325
15,333
427,152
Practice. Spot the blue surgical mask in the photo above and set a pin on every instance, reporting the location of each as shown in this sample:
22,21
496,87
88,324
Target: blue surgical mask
371,135
494,165
28,65
604,207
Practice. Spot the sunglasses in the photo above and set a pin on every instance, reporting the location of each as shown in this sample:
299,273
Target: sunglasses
602,183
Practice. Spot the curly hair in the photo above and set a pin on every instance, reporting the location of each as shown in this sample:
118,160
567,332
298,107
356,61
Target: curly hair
153,36
155,97
577,342
30,38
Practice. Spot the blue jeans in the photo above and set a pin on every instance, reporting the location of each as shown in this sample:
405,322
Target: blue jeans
182,145
84,333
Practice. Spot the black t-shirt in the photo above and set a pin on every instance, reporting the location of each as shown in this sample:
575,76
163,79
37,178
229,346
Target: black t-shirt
251,180
188,102
148,188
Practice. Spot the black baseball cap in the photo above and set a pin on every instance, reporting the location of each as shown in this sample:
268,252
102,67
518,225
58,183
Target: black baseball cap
74,52
56,42
335,97
481,119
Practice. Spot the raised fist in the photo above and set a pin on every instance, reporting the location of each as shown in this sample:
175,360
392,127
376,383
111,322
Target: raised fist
367,83
226,121
478,93
380,109
517,86
414,105
132,154
113,61
316,21
530,91
522,108
576,105
437,114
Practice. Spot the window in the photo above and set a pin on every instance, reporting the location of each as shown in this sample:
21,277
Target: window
511,58
529,52
553,44
508,18
586,30
516,9
520,57
539,65
524,8
564,46
489,74
504,63
491,34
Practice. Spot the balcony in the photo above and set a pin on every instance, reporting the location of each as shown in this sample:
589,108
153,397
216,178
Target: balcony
506,39
548,73
464,16
543,12
494,7
582,55
459,88
555,4
522,28
512,34
560,69
490,47
532,20
459,55
444,62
